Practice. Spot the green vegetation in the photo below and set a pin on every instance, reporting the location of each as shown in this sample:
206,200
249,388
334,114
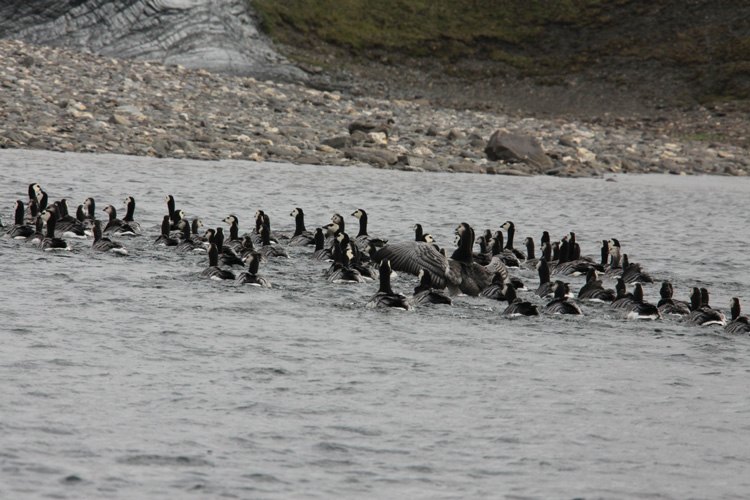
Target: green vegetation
705,43
448,28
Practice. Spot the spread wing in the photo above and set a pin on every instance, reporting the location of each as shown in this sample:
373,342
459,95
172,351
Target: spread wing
411,256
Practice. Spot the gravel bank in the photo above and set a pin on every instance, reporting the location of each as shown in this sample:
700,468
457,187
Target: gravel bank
61,100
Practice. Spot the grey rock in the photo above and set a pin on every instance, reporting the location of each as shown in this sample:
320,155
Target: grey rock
340,142
515,147
378,157
219,36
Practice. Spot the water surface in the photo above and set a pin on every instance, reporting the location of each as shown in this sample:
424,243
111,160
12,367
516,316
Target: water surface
132,377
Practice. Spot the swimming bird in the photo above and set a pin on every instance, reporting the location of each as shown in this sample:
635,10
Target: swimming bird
129,212
510,228
546,287
251,276
561,304
213,271
301,236
668,305
36,238
227,256
570,261
459,272
424,293
175,216
594,290
19,230
165,239
115,225
516,306
50,242
234,242
639,308
341,270
267,249
702,314
633,273
738,324
186,244
418,232
102,244
386,297
363,239
67,225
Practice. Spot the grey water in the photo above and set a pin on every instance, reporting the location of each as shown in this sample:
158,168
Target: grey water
133,377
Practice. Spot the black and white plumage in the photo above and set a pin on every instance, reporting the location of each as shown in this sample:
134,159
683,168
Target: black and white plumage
19,230
175,216
341,270
251,276
424,293
213,271
418,232
115,225
227,256
516,306
509,258
623,300
668,305
363,239
186,244
738,324
496,290
633,273
301,236
570,261
164,238
50,242
67,225
593,289
702,314
459,272
129,215
386,297
234,241
640,309
561,304
102,244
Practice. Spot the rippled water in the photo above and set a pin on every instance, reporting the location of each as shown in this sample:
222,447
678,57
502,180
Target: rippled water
131,377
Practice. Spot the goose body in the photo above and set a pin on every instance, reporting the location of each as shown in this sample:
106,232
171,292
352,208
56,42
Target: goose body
102,244
213,271
386,297
739,324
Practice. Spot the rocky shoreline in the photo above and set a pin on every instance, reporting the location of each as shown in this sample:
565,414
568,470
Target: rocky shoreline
61,100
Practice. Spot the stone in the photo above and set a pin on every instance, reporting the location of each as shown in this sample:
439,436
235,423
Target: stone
119,120
340,142
514,147
378,157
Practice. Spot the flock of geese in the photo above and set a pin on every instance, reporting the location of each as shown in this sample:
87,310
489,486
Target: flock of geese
477,266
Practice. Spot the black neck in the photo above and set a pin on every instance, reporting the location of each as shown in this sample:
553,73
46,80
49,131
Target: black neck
97,232
695,299
464,251
511,232
299,221
170,207
265,237
234,232
319,239
253,265
130,212
638,292
547,252
112,213
605,252
735,309
385,278
620,288
19,213
362,224
165,226
510,293
530,249
543,271
418,233
186,231
213,256
51,222
219,238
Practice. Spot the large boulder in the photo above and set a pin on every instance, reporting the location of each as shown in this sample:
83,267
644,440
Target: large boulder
217,36
514,147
